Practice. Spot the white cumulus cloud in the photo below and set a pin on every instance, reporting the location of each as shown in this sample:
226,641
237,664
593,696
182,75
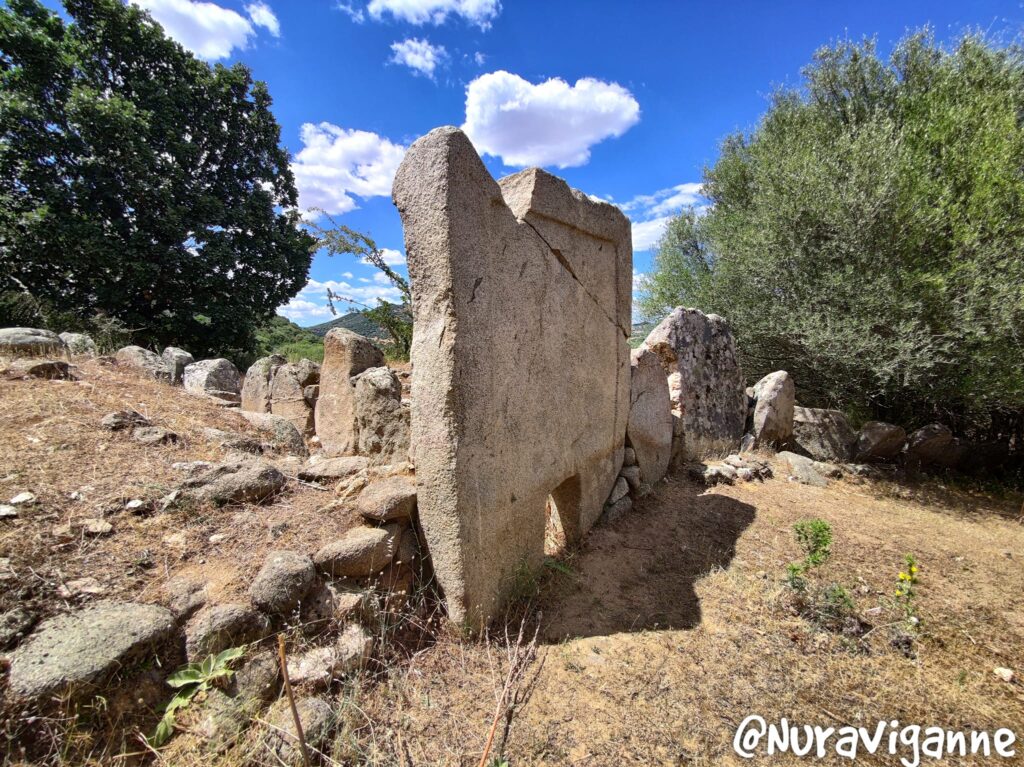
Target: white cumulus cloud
551,123
310,306
337,164
419,55
647,233
650,213
478,12
207,29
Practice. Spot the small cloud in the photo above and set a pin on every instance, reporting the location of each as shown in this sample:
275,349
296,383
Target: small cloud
650,213
418,12
262,16
354,13
337,164
479,58
419,55
550,123
310,306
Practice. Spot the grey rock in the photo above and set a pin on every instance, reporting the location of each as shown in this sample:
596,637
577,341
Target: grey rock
382,421
318,719
216,378
176,361
29,341
879,441
629,457
774,398
346,354
649,428
79,344
50,370
619,491
240,481
614,511
632,476
79,650
388,499
933,445
144,361
319,469
226,713
287,394
124,419
360,552
233,441
282,434
823,434
154,435
258,380
14,625
219,627
285,578
801,469
186,595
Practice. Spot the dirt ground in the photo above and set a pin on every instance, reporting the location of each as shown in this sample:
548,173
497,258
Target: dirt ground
674,623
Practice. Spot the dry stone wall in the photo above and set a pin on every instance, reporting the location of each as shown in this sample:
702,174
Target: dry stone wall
521,302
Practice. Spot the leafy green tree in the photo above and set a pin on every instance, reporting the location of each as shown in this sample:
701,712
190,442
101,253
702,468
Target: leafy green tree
866,236
138,182
395,319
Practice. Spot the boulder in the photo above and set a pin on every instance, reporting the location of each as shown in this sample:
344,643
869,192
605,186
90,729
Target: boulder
176,361
317,717
287,394
387,500
285,578
79,343
649,428
120,420
619,491
154,435
382,421
346,354
50,370
322,665
241,481
802,469
360,552
258,380
319,469
229,709
233,441
283,436
878,441
823,434
144,361
14,626
218,627
14,341
698,354
774,399
80,651
217,378
621,507
933,445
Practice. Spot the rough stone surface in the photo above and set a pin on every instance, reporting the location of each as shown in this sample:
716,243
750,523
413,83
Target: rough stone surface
79,343
388,499
822,434
346,354
218,627
933,445
232,440
144,361
14,625
287,394
774,400
332,469
361,551
215,378
124,419
284,579
83,648
317,717
243,481
176,361
283,435
29,341
382,421
649,429
621,507
879,441
802,469
50,370
154,435
258,379
698,354
521,302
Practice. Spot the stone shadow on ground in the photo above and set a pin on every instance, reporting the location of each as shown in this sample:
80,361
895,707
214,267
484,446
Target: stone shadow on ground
640,572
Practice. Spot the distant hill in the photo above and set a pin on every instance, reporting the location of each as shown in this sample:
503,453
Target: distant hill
354,321
640,332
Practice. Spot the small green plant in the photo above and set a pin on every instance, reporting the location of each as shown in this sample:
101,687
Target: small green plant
815,538
190,680
905,594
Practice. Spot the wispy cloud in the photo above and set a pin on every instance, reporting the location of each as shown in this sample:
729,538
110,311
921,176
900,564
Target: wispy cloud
478,12
650,213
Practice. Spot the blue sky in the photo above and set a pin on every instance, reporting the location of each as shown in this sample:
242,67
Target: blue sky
627,100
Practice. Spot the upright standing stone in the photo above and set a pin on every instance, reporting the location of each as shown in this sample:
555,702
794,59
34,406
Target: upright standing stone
346,354
381,418
774,399
79,343
287,394
698,353
521,303
176,361
649,430
258,379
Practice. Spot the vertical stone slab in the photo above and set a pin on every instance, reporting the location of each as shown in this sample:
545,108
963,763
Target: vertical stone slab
346,354
649,429
698,354
521,308
258,379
